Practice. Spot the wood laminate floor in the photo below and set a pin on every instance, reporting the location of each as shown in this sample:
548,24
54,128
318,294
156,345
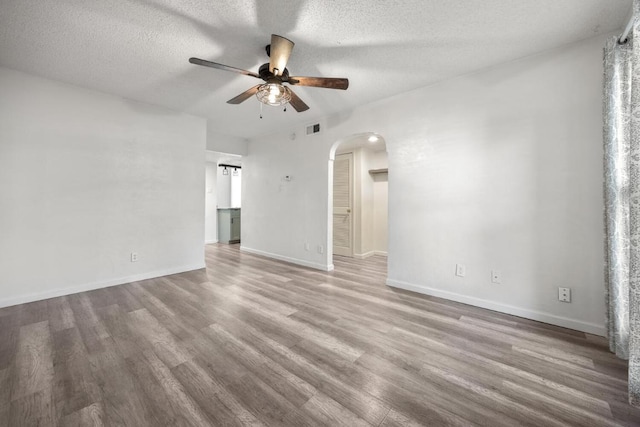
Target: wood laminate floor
251,341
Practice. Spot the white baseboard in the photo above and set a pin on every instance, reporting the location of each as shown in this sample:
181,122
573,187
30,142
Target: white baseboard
302,262
591,328
381,253
58,292
364,255
209,242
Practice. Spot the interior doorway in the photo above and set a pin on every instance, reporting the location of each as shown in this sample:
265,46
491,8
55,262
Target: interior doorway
223,198
229,204
359,197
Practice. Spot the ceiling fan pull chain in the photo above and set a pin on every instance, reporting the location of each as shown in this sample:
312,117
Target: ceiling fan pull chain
285,108
261,110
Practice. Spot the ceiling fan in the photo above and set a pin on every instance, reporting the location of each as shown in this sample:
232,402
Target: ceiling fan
274,73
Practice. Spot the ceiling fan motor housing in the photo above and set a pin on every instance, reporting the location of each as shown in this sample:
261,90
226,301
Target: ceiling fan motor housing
267,75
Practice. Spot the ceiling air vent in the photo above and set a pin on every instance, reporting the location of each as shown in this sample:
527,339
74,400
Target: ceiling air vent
311,129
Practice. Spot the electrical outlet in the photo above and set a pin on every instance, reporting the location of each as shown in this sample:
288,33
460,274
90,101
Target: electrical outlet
496,276
134,256
564,294
461,270
320,249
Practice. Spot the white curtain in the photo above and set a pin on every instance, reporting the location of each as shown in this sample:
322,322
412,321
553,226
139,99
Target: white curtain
622,199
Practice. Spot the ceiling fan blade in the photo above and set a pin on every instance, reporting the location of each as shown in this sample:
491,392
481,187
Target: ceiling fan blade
199,61
279,52
244,95
297,103
326,82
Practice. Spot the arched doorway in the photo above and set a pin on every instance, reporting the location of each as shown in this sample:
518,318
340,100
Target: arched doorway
358,191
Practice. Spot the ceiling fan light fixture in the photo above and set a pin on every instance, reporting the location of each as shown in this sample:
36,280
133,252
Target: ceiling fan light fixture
273,94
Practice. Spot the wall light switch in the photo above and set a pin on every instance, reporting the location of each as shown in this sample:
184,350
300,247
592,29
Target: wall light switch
461,270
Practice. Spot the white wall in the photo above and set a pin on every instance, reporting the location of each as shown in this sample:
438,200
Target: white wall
367,239
211,202
86,179
224,143
229,188
223,185
501,169
380,203
280,216
236,188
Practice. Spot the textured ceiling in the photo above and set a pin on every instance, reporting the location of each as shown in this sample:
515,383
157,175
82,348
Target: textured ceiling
139,49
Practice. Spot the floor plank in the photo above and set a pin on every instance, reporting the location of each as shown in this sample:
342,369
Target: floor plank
33,362
253,341
89,416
